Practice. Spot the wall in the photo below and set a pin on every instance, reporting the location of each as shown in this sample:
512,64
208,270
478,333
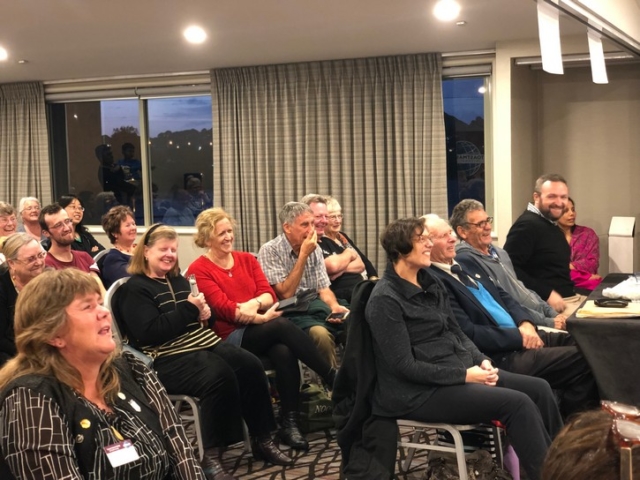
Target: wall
591,134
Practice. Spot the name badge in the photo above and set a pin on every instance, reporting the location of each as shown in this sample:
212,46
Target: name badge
121,453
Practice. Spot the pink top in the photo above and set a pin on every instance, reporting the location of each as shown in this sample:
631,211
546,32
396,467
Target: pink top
585,257
224,289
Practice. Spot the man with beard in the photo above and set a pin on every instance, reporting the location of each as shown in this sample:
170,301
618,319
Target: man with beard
538,249
58,228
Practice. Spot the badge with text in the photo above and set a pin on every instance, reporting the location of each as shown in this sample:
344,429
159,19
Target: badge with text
121,453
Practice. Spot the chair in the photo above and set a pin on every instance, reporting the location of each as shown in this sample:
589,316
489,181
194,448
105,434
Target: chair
362,292
187,407
421,429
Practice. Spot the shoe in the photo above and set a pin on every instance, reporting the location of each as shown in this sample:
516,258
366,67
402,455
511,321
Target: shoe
290,433
213,470
265,449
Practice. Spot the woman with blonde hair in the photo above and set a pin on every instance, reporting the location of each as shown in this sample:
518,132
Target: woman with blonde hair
71,406
25,261
244,305
161,317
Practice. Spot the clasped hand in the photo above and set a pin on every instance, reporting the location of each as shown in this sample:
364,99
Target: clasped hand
484,373
200,302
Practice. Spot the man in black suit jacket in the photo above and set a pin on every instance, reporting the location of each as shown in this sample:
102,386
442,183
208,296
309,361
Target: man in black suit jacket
501,328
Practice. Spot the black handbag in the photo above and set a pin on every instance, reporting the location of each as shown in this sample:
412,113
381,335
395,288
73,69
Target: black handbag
299,302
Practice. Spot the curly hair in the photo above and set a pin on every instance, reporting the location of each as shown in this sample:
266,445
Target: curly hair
112,220
206,225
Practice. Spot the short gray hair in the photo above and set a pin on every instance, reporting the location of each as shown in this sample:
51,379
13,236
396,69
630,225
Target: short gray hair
6,209
313,198
430,219
547,177
291,211
460,211
24,200
333,205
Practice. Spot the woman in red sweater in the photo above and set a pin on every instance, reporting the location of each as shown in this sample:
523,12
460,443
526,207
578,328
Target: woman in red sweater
244,304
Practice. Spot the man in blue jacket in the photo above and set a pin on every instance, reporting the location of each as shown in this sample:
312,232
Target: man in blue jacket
503,330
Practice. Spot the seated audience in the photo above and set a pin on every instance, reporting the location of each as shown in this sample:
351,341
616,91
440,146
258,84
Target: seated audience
427,368
589,447
25,261
29,208
112,177
345,264
538,250
243,304
292,262
179,214
83,240
585,250
8,220
69,397
502,329
473,227
58,228
120,227
161,318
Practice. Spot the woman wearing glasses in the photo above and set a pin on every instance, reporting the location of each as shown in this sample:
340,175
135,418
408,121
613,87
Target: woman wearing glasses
8,220
29,208
344,275
83,240
25,261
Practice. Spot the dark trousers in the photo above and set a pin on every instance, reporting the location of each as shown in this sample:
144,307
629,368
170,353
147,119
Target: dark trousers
231,385
525,405
561,364
284,344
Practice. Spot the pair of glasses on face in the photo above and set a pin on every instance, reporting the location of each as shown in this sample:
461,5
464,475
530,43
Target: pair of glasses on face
625,430
333,218
422,239
77,208
33,259
66,221
481,224
11,219
32,207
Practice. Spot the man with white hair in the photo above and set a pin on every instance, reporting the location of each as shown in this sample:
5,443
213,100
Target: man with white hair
503,330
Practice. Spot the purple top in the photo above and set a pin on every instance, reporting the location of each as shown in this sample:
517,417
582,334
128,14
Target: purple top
585,257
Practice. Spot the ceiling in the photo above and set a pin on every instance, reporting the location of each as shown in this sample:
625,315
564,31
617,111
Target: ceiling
73,39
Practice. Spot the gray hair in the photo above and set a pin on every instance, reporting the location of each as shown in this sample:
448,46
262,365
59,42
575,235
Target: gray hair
547,177
6,209
313,198
332,204
431,219
14,243
460,211
24,200
291,211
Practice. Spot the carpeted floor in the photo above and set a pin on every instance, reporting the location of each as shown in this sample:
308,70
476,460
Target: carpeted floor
322,461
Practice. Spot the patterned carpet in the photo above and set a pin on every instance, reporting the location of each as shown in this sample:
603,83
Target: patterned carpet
322,461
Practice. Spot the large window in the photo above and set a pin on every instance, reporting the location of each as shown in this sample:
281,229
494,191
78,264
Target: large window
106,152
464,127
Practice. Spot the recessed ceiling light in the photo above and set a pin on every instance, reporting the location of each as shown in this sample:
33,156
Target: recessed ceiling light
461,23
446,10
195,34
22,62
3,54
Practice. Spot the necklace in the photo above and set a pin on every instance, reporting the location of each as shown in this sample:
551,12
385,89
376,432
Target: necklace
128,251
227,270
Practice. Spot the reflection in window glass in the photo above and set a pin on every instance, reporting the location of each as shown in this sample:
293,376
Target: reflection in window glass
180,156
464,128
96,133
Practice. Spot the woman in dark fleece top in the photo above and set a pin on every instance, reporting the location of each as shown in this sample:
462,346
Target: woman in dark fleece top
429,370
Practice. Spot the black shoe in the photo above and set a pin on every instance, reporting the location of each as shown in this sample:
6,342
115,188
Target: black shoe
290,433
213,470
265,449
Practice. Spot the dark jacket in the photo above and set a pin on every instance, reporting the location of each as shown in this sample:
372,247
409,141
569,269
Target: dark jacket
367,441
473,317
8,298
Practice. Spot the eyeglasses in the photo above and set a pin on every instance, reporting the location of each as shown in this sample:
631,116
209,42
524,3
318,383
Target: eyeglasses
76,208
11,219
66,221
481,224
32,259
625,430
32,207
333,218
422,239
